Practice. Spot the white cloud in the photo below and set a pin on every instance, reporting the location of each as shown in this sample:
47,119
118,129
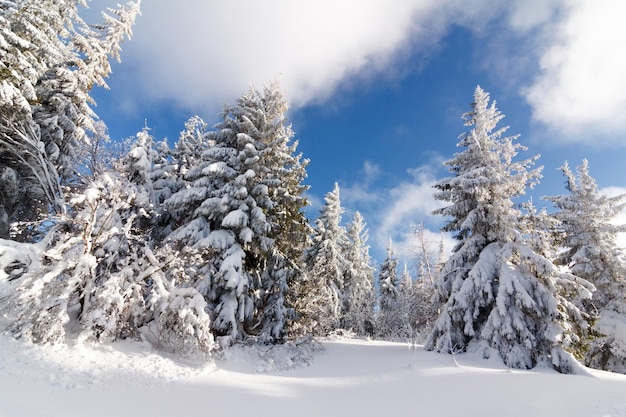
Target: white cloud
202,53
408,203
581,88
391,212
371,171
527,15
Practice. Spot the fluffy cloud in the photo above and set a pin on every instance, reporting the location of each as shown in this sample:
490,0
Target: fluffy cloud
581,88
202,53
392,212
199,54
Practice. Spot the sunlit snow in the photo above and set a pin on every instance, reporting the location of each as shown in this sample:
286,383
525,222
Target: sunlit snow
350,377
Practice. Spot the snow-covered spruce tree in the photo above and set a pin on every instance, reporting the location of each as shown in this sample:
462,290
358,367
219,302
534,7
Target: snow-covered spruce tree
422,311
319,303
147,166
244,194
191,182
590,251
290,230
496,293
392,318
22,159
183,325
49,61
358,295
63,103
176,316
541,230
94,270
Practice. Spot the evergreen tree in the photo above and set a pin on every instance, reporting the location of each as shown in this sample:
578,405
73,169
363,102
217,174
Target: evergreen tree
321,291
422,311
192,182
101,276
358,296
541,230
591,252
495,292
49,61
95,270
285,172
147,166
392,320
241,197
183,325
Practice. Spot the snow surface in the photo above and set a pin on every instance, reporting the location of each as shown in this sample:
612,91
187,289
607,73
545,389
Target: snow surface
350,377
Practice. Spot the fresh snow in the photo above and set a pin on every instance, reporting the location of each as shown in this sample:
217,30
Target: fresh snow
349,377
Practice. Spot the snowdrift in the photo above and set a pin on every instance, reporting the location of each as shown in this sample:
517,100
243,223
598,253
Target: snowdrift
347,377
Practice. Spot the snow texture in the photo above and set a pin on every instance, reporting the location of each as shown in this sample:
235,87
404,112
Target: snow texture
128,378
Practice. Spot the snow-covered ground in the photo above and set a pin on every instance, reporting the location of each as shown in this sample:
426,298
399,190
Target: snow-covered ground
349,378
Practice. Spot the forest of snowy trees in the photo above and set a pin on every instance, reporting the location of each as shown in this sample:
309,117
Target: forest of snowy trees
204,243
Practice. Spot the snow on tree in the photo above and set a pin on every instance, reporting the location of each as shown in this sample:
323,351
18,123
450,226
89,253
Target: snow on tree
590,251
358,295
98,156
283,172
540,229
242,197
63,103
93,271
275,313
422,312
497,295
428,260
49,61
187,155
24,167
183,325
392,318
321,291
195,173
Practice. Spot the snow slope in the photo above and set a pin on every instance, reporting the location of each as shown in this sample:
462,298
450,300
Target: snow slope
351,377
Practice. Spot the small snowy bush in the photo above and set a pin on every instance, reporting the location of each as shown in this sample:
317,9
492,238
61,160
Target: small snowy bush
183,325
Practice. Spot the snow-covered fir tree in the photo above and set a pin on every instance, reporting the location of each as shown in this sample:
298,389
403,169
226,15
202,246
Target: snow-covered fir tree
63,109
94,270
358,295
244,193
585,218
422,311
497,295
319,304
392,317
49,61
286,170
147,165
406,301
540,230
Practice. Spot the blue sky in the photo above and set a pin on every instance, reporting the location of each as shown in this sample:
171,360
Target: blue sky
377,88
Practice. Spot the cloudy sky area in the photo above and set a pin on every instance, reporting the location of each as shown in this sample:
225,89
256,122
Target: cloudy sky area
378,88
